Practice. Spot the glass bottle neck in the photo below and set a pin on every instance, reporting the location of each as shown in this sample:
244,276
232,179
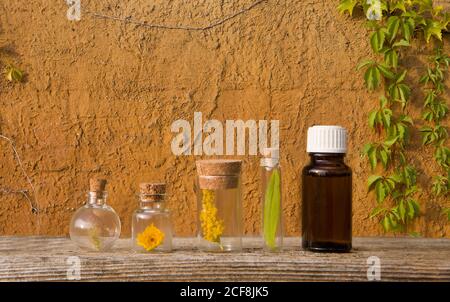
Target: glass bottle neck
97,198
153,202
270,164
327,158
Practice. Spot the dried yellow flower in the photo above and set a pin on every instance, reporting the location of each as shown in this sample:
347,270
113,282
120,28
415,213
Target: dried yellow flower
212,226
150,238
94,238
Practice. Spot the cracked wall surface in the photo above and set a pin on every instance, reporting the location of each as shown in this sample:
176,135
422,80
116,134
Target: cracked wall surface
100,96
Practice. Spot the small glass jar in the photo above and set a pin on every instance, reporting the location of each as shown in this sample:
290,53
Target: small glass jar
272,223
95,226
151,223
219,205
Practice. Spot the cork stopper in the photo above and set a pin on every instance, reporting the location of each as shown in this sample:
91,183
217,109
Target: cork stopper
97,184
218,167
218,174
218,182
148,188
152,191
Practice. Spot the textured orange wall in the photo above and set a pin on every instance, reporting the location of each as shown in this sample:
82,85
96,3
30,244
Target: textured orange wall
100,96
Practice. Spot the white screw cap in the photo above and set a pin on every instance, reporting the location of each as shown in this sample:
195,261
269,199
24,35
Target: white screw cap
327,139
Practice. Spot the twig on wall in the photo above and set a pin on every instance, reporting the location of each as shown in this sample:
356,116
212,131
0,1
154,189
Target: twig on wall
175,27
34,208
22,192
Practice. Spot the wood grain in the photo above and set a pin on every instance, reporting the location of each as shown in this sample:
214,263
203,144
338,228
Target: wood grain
402,259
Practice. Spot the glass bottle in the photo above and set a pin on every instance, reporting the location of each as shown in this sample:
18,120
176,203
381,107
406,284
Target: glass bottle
272,226
95,226
327,192
219,205
151,223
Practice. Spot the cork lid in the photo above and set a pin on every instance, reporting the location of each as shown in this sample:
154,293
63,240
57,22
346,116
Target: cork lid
218,182
218,167
148,188
97,184
152,192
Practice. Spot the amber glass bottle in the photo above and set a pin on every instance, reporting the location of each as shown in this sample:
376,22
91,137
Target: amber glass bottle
327,192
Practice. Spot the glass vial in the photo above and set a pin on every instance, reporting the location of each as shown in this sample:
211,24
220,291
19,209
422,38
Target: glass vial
219,205
95,226
151,223
272,232
327,192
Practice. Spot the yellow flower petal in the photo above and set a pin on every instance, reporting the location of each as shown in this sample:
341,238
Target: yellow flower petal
150,238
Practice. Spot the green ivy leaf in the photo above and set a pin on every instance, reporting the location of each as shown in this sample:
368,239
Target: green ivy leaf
408,27
367,148
393,220
386,72
377,40
406,119
372,154
380,191
400,5
364,64
384,158
386,223
371,181
425,5
402,210
401,77
372,118
386,115
372,77
391,58
404,93
390,141
393,25
347,6
433,28
401,43
377,211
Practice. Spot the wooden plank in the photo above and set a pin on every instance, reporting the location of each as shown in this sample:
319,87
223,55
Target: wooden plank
402,259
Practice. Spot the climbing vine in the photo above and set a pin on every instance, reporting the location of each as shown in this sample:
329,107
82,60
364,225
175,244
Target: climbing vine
14,74
393,25
435,110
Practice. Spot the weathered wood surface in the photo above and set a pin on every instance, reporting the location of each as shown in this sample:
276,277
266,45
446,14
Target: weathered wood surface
402,259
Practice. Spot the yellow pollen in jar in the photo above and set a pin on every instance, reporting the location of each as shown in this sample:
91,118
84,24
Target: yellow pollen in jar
212,226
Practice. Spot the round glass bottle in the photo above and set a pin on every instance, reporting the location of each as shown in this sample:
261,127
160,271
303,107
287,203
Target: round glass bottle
327,192
95,226
272,225
219,205
151,223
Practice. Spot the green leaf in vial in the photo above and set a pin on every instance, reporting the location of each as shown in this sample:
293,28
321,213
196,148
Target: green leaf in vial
272,209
